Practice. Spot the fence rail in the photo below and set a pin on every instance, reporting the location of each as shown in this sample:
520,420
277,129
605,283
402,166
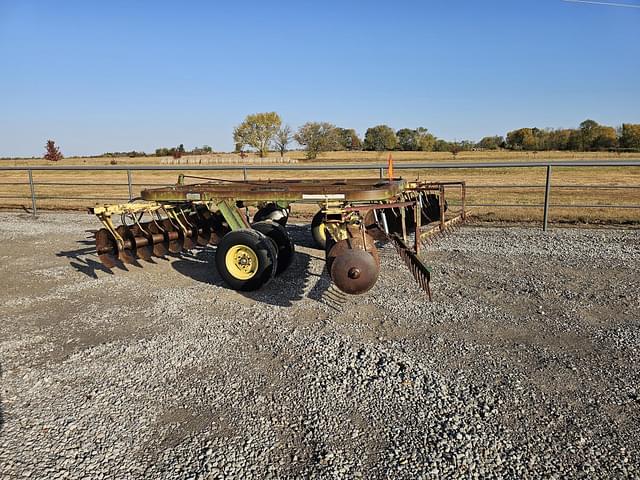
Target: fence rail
380,169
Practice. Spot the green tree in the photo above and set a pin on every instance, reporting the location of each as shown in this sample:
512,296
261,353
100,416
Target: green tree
317,137
630,136
604,138
522,139
426,141
407,140
282,139
441,145
588,133
418,139
348,139
257,131
560,139
542,139
575,141
201,150
380,138
491,143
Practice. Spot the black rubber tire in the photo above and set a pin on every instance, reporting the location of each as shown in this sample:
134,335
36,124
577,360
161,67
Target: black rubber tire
277,233
272,212
264,250
316,223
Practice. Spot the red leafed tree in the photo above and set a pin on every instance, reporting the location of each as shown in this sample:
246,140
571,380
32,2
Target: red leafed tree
53,153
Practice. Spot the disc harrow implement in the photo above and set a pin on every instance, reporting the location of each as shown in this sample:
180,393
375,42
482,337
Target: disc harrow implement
354,218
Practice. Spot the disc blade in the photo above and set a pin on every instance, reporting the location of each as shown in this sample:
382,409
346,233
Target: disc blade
142,251
159,249
106,248
354,272
127,255
173,237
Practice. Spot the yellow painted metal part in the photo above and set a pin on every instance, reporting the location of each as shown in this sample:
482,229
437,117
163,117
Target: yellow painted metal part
241,262
337,230
105,212
118,209
319,232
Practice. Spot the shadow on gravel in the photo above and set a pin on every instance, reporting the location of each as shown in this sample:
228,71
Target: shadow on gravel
200,266
79,259
281,291
301,235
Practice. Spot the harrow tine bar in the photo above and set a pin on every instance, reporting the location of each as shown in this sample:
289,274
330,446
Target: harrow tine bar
420,273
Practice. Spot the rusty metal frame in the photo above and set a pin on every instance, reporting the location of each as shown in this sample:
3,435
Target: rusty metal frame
286,191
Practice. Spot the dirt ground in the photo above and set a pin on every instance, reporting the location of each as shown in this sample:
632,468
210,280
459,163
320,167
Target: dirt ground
525,364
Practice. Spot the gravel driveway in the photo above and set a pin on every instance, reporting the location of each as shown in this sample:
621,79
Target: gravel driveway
525,365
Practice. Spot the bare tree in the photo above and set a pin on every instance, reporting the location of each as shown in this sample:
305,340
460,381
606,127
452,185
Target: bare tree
283,139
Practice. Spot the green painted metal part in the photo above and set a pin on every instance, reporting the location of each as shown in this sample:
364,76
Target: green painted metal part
231,214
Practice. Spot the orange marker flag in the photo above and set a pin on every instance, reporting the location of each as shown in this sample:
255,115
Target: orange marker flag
390,166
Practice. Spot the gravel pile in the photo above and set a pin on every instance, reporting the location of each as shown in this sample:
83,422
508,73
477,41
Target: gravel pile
525,365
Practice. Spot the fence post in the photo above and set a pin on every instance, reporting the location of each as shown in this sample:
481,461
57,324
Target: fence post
33,193
547,192
381,172
129,184
244,173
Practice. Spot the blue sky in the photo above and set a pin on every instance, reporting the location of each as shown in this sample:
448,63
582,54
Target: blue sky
123,75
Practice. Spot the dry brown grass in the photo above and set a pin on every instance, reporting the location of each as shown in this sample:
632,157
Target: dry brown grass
341,157
97,185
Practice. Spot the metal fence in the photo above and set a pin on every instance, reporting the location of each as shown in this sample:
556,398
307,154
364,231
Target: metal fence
379,170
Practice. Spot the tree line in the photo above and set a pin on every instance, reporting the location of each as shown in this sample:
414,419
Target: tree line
175,152
265,132
590,136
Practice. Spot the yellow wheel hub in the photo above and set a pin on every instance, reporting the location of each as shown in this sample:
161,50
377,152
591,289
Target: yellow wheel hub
241,262
321,233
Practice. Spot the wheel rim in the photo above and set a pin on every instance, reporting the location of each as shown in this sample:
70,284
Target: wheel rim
241,262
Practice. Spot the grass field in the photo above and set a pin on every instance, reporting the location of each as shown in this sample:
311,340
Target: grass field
486,186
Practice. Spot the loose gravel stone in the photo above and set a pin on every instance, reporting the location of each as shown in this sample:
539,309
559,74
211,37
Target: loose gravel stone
525,365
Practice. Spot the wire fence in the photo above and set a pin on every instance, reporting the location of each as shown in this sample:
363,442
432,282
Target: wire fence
115,190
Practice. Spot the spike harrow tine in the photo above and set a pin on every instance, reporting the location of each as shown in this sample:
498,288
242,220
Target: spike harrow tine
420,273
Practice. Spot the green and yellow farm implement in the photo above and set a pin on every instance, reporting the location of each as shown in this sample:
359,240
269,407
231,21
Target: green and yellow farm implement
353,215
